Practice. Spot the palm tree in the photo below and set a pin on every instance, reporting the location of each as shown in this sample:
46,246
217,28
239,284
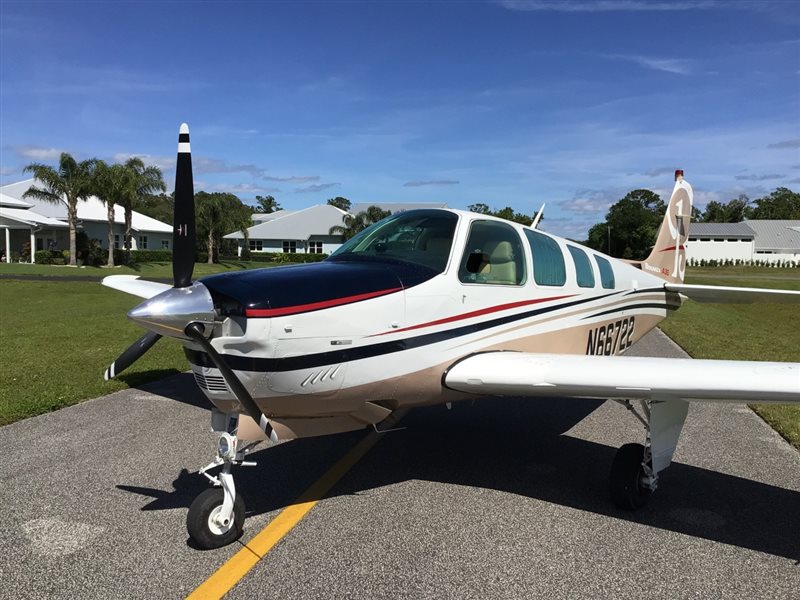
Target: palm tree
72,181
353,224
144,181
217,214
111,185
267,204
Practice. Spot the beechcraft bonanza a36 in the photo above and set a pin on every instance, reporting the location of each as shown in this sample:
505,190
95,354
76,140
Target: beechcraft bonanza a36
434,306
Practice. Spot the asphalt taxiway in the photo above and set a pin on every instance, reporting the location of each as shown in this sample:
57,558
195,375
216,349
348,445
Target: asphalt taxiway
500,498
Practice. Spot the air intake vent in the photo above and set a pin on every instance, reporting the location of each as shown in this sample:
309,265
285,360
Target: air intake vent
212,383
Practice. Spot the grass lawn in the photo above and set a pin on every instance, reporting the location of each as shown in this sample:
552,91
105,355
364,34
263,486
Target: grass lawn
160,270
56,339
744,331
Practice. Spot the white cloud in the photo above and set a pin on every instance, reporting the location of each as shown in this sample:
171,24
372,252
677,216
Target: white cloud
316,188
431,182
678,66
293,179
37,152
164,163
243,188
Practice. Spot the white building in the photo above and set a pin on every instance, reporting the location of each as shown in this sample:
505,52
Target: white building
770,241
22,226
303,231
147,233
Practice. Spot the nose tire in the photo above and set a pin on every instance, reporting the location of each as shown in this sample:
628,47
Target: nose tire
204,531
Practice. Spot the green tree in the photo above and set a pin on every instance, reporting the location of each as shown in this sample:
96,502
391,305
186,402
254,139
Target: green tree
157,206
111,185
143,181
783,203
353,224
267,204
735,211
218,214
634,221
340,202
480,208
71,182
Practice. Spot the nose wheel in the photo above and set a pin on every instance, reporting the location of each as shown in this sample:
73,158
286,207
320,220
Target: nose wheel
207,523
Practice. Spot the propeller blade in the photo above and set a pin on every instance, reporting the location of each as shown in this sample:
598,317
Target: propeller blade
183,232
131,355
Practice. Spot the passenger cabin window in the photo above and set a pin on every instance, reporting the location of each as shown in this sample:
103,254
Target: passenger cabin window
606,272
423,237
493,255
583,268
548,260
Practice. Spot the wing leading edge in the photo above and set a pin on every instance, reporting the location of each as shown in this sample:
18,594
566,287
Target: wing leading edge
131,284
732,295
524,374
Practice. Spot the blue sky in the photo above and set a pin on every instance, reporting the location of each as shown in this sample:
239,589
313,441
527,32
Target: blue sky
573,103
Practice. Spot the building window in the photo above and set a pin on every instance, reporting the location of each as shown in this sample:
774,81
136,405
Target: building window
583,268
606,272
116,241
142,242
548,261
315,247
289,247
165,244
256,245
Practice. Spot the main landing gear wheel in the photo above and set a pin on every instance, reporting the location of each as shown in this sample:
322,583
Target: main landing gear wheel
203,523
628,488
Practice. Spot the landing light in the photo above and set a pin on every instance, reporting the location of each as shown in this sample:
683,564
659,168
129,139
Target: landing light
226,446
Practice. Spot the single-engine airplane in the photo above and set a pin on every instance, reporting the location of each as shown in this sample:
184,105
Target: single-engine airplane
434,306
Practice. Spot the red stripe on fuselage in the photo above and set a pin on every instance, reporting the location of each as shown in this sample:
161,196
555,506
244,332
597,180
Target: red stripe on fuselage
672,248
476,313
299,308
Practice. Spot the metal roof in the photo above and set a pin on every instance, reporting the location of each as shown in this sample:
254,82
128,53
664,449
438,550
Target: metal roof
263,217
30,218
726,230
776,235
395,207
11,202
296,225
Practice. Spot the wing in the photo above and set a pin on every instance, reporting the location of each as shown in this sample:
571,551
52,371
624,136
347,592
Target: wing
131,284
732,295
523,374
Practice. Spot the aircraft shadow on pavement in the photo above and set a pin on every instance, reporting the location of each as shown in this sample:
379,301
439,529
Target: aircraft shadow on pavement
516,446
170,384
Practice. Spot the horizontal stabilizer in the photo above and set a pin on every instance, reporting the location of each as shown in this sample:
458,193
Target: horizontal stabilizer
131,284
733,295
549,375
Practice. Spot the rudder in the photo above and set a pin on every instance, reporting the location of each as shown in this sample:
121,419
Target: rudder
668,258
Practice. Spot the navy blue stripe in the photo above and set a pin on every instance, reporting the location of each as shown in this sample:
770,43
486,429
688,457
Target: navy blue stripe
620,309
293,363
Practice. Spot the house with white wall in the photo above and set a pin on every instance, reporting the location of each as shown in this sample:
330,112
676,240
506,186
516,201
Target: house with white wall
147,233
750,240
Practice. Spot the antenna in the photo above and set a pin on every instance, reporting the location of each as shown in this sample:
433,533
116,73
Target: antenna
538,216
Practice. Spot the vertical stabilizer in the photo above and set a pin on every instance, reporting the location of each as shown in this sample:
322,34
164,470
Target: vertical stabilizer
668,258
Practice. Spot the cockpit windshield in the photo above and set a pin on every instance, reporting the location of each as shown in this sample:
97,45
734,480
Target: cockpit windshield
423,237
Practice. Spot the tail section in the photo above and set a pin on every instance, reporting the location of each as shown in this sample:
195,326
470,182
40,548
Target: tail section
668,258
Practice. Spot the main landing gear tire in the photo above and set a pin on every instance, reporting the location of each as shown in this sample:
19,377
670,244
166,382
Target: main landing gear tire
627,474
201,523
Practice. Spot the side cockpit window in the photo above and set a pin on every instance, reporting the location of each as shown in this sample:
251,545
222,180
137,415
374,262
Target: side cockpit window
493,255
606,272
583,268
548,260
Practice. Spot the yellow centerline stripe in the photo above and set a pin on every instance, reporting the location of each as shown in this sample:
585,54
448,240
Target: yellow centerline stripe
229,574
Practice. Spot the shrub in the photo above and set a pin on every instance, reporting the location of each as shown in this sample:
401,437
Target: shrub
148,256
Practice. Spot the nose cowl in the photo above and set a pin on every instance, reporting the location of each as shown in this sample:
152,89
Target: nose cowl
172,310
